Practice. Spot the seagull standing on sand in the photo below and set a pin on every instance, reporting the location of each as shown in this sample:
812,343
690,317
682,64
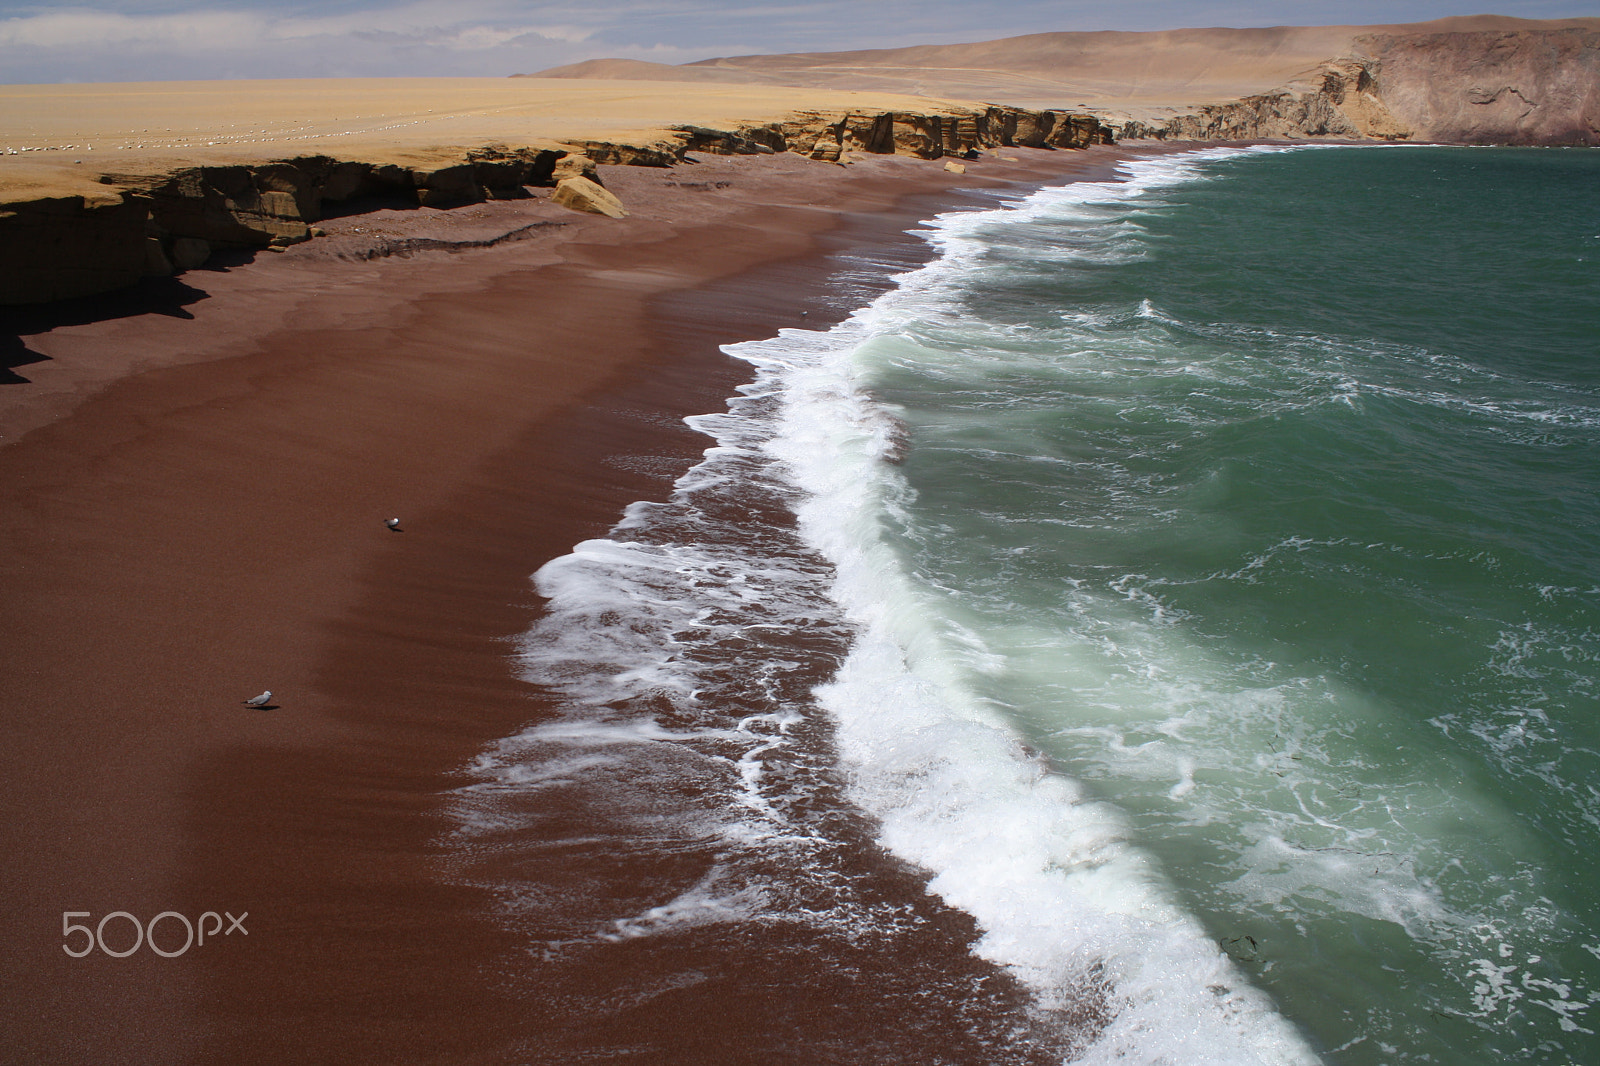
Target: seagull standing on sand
259,701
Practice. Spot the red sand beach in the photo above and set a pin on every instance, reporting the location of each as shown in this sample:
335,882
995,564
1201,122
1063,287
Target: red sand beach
193,511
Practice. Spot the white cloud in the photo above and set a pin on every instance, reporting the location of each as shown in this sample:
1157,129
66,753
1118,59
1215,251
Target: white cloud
97,29
480,38
85,29
486,37
487,24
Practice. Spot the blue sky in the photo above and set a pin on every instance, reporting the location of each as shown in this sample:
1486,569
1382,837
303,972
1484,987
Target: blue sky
136,40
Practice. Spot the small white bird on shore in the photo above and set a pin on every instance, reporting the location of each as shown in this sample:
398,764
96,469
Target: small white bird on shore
394,524
259,701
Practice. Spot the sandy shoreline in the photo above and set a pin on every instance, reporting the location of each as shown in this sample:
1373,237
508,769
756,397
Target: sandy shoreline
193,511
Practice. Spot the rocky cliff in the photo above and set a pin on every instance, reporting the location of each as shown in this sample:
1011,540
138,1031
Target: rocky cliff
1519,87
1340,100
146,225
828,135
1525,87
52,248
1481,80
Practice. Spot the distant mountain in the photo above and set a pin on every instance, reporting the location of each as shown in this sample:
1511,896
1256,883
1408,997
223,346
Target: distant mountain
1484,78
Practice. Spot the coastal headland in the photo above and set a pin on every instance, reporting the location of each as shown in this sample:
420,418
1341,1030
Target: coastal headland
1485,79
101,185
249,322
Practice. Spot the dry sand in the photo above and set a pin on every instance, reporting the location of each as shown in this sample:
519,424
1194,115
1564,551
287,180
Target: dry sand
58,139
192,496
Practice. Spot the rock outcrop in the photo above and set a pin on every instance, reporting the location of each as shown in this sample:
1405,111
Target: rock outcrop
929,135
574,165
581,194
1340,100
1521,87
1479,81
70,246
826,135
56,248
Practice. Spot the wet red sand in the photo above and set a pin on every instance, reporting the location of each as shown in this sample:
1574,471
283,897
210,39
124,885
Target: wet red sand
191,510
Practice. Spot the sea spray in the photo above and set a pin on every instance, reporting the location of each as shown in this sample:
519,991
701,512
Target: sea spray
1195,579
1062,896
1252,494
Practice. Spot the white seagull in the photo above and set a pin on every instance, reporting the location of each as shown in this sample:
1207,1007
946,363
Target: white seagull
394,524
259,701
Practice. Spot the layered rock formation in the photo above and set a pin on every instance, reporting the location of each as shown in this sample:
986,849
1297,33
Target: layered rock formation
54,248
827,135
1485,79
58,247
1340,100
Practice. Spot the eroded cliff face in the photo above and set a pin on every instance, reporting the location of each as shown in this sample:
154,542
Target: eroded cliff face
1472,86
1340,100
146,225
1525,87
150,225
1529,87
931,136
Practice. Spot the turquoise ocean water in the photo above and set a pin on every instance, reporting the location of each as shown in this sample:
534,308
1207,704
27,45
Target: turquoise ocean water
1219,554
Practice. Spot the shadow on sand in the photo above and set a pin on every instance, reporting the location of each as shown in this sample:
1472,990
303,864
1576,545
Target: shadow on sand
152,296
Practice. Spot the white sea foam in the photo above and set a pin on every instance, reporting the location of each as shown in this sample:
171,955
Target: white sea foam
653,644
1047,869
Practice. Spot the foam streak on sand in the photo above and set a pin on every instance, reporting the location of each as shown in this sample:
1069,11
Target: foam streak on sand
509,402
683,647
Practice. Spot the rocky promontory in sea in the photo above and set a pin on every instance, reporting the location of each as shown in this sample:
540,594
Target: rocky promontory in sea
1526,87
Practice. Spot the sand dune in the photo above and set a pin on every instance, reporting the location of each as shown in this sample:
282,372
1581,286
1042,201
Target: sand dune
1125,71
